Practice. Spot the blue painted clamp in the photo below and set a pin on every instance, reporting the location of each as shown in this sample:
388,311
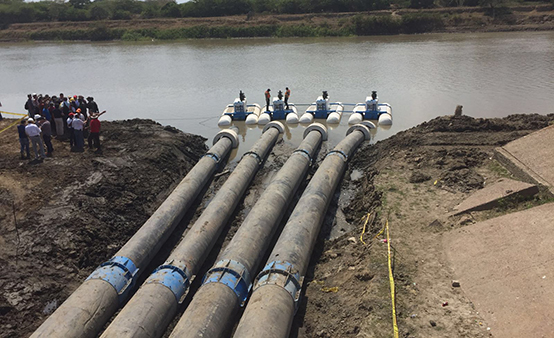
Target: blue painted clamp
284,275
119,272
174,278
233,274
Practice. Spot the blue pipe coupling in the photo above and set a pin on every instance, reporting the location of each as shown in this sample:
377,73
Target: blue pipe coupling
175,276
232,274
119,272
284,275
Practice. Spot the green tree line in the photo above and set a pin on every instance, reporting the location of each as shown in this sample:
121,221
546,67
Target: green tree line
18,11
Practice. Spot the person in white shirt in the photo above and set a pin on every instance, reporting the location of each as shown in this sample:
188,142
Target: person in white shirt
78,126
33,132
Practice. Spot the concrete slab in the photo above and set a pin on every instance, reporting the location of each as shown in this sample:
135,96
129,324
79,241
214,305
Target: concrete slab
505,266
530,157
488,197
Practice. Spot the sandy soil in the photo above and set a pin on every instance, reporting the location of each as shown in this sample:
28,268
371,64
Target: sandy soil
75,210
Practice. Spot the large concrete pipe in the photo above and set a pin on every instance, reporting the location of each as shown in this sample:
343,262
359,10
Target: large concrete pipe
277,288
86,311
155,304
227,284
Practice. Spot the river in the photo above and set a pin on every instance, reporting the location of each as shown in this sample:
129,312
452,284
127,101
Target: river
187,84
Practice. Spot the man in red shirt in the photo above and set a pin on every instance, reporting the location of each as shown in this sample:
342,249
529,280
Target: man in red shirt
94,131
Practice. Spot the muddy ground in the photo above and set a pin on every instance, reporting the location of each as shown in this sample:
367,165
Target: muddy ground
75,210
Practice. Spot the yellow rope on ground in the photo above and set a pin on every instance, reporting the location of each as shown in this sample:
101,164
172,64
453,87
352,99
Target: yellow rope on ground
380,232
391,279
7,112
11,125
363,231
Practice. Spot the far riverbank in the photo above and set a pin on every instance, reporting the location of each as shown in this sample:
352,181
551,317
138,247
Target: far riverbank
385,22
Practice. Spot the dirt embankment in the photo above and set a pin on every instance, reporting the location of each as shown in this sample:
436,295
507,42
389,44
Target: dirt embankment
413,180
61,218
453,19
75,210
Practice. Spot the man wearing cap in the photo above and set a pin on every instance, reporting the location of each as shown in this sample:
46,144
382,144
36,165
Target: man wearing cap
33,132
23,139
78,126
46,129
69,124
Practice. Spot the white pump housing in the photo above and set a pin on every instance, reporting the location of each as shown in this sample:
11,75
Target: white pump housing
371,104
278,104
321,103
240,106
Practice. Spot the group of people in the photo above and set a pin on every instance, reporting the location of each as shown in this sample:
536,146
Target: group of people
267,95
72,118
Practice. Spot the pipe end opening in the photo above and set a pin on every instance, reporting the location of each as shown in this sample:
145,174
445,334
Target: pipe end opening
318,127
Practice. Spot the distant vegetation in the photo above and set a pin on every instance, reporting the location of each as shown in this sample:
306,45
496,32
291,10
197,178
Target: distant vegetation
18,11
362,22
357,25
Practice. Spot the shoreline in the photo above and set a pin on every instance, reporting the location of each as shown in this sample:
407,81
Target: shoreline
384,22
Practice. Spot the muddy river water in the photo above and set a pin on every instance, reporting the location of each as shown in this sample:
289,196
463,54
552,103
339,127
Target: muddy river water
187,84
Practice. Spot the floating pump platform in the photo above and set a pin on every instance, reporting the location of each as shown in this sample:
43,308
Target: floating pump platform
371,109
278,111
240,111
323,109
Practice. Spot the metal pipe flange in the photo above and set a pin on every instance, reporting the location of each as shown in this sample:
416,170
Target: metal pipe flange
361,127
275,124
319,127
230,134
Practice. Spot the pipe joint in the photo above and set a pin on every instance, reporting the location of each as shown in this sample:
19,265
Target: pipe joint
304,153
255,155
213,157
174,278
338,153
284,275
119,272
232,274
